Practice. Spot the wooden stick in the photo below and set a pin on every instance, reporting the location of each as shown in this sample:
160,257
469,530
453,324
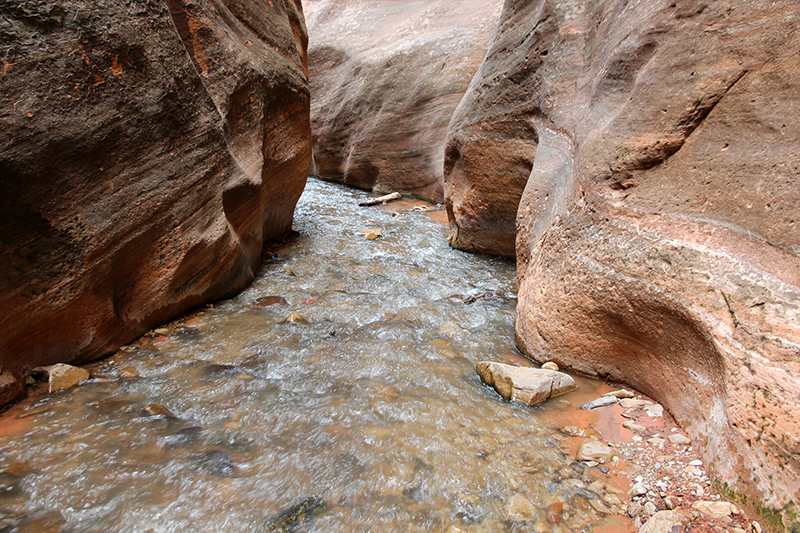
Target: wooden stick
382,199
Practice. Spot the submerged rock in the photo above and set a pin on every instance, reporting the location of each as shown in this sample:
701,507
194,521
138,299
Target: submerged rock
292,518
519,508
530,386
603,401
592,449
214,462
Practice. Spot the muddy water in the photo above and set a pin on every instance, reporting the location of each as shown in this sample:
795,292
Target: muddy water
369,417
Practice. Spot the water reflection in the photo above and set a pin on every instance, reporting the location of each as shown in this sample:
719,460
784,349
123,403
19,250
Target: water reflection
367,415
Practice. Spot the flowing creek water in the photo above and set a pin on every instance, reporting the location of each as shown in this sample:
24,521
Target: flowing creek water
361,413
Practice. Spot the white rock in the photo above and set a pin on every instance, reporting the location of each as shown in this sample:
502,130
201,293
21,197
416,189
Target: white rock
550,365
696,462
520,508
679,439
530,386
664,522
370,234
655,410
713,510
757,527
65,376
621,393
629,403
594,450
638,489
649,509
633,426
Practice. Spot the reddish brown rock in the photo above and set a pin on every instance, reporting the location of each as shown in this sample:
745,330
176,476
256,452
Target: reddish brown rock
147,151
386,77
654,151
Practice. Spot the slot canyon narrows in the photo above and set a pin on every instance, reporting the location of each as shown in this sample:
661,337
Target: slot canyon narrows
582,314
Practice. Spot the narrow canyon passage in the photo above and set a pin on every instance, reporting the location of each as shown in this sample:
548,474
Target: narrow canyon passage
365,404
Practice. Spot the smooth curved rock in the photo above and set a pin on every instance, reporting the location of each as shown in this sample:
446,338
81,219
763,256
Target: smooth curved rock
530,386
147,151
653,150
386,77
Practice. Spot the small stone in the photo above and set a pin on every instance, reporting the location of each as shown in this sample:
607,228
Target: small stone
455,529
371,234
656,441
638,489
573,431
289,272
550,365
592,464
64,376
629,403
738,530
735,510
594,450
634,509
600,402
713,510
156,409
297,319
519,508
267,301
633,426
598,506
554,511
680,439
757,527
161,331
665,522
604,469
655,410
621,393
649,509
127,373
696,462
669,503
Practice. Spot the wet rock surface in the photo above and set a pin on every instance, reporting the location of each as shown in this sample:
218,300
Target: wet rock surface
386,77
648,154
147,152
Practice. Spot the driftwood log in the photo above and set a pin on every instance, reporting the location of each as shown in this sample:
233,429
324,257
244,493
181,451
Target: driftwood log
381,199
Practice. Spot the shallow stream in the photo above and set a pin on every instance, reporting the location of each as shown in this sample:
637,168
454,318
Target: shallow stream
361,413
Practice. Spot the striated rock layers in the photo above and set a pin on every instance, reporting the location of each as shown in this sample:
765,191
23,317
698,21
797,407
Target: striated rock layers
654,151
386,76
147,149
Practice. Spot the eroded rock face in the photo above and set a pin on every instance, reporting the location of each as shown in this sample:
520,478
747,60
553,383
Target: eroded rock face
147,151
386,77
654,151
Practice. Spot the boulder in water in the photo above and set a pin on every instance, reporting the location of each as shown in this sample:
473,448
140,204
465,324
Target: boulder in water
530,386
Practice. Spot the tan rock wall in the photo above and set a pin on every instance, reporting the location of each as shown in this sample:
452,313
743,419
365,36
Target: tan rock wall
386,77
650,155
147,150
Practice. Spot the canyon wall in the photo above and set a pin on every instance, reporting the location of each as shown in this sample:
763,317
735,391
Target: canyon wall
647,156
386,76
147,150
